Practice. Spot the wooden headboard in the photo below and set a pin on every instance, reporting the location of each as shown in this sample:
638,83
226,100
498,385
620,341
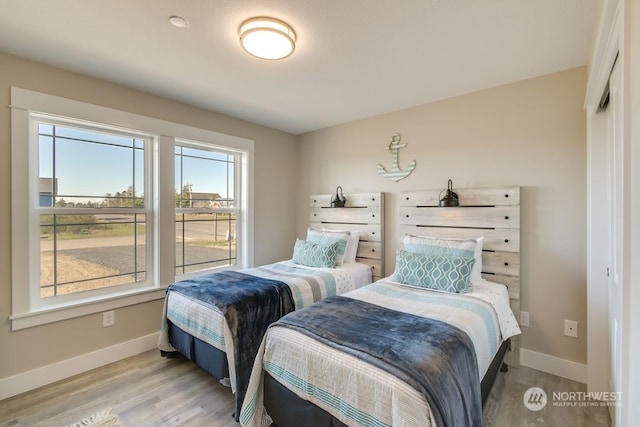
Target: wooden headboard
363,212
492,212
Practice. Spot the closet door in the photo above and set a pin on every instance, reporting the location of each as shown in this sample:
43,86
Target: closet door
598,250
604,239
616,223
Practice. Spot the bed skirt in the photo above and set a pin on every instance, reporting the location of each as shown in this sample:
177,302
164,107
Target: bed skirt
202,354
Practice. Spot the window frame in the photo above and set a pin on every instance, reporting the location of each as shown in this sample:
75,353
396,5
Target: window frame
36,210
161,210
237,195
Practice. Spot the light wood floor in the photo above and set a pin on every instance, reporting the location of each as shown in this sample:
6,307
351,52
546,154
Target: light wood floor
147,390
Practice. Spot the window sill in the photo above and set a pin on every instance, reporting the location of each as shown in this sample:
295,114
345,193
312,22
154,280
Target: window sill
55,313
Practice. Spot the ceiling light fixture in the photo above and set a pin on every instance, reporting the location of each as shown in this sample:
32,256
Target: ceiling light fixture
178,21
267,38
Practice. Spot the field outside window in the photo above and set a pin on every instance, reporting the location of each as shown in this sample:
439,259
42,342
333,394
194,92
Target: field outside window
93,220
206,215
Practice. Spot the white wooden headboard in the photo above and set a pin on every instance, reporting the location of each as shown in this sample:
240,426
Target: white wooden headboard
363,212
492,212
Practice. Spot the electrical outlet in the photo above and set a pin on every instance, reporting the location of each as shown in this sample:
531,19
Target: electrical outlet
571,328
524,318
108,318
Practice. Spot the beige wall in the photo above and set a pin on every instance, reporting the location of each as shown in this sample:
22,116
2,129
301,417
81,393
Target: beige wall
39,346
532,134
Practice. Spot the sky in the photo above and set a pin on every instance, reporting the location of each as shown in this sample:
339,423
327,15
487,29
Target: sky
112,163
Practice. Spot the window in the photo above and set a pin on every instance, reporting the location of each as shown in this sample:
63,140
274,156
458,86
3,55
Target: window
106,215
206,213
93,212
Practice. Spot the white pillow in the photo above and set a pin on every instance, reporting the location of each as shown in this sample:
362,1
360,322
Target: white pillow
352,247
476,274
326,237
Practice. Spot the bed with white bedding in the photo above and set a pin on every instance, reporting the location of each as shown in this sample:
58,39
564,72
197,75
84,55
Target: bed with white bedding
358,393
207,323
203,317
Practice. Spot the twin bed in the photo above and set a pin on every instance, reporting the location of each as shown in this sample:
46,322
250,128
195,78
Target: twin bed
421,347
217,320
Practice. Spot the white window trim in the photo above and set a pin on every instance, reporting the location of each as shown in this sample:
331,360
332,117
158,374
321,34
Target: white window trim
23,104
35,211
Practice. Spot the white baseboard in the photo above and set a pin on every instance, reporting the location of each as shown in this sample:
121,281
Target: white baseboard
30,380
554,365
39,377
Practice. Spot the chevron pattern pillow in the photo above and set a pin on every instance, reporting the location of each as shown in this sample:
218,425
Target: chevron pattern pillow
315,254
448,274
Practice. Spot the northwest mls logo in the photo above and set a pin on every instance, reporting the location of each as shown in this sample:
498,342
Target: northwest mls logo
535,399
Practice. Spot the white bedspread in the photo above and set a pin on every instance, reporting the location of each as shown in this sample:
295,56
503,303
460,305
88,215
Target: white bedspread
307,284
357,393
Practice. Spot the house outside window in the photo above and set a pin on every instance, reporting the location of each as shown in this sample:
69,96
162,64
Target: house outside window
48,187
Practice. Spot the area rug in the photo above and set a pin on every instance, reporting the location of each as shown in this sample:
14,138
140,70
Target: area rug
103,418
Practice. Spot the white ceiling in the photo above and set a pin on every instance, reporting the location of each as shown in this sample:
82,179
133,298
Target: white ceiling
354,58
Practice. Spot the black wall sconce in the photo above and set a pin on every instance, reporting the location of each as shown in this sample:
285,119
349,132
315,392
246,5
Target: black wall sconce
338,200
450,198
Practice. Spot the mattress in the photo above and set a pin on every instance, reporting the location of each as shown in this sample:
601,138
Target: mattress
307,284
357,393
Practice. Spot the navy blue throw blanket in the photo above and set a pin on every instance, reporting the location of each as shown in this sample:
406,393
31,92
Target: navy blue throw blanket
249,304
435,358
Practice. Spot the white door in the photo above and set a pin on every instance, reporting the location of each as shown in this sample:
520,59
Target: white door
599,251
616,227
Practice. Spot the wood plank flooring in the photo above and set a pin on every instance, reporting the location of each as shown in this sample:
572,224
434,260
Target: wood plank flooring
505,406
148,390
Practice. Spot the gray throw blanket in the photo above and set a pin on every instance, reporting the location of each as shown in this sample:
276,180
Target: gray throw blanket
435,358
249,304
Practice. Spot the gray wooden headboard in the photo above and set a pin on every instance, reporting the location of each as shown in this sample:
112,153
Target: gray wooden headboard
363,212
492,212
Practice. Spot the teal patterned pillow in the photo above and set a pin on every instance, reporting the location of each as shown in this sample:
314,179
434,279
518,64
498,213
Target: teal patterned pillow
449,274
326,237
314,254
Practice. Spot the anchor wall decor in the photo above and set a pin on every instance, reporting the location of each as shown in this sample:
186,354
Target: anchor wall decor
395,173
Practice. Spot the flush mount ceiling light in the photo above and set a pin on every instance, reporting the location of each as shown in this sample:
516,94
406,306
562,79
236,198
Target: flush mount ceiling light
178,21
267,38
